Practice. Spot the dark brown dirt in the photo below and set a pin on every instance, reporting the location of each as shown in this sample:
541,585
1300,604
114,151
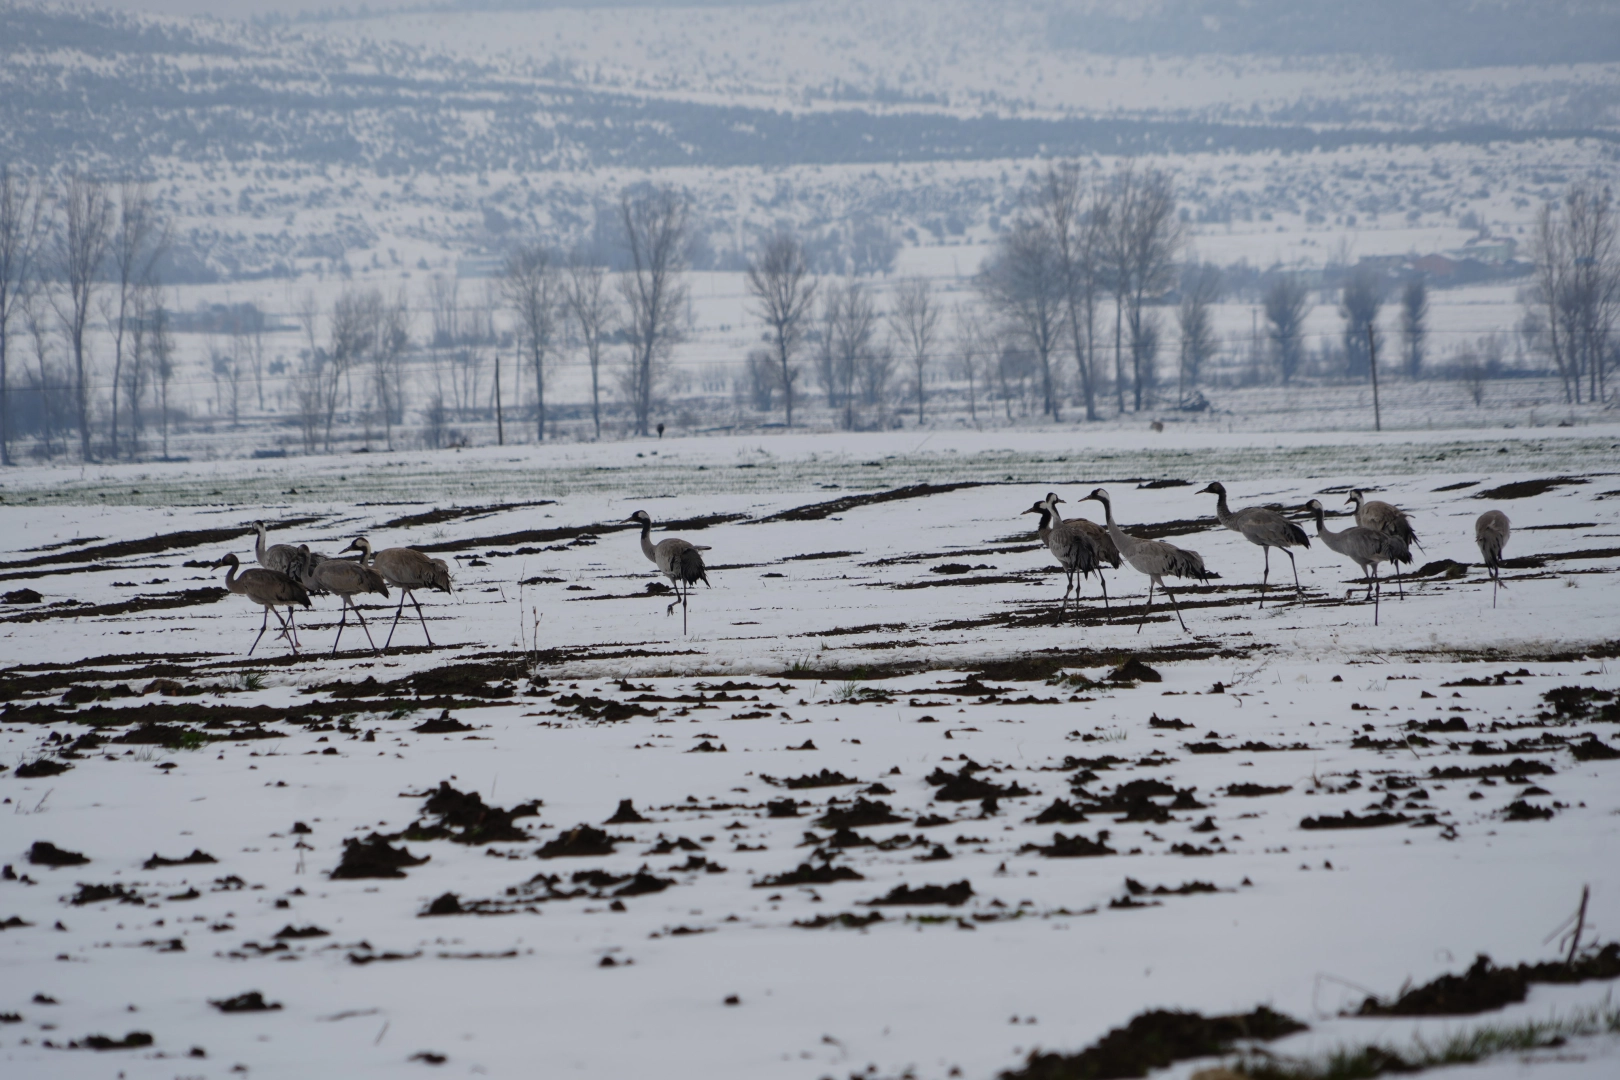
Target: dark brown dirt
252,1001
453,513
198,857
1518,767
443,724
1253,790
1484,986
818,511
21,596
824,778
184,598
1593,749
863,813
626,814
570,532
643,884
1061,812
45,853
40,767
963,786
845,920
581,840
1154,1040
808,874
462,817
150,545
782,808
1524,489
95,894
134,1040
952,895
1349,820
374,857
1571,703
1519,810
1070,847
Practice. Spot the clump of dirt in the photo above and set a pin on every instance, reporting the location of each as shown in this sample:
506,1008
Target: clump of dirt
595,708
1134,671
45,853
1071,847
1518,767
863,813
1254,790
901,895
197,858
817,511
445,904
1186,888
22,596
443,724
845,920
666,846
41,767
824,778
1153,1040
626,814
1524,489
134,1040
1349,820
436,517
374,857
807,874
1594,749
470,680
1485,986
252,1001
1061,812
782,808
1174,725
95,894
1582,703
963,786
294,933
464,819
1519,810
642,884
581,840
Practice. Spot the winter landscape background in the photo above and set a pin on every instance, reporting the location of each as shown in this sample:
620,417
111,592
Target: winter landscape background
836,290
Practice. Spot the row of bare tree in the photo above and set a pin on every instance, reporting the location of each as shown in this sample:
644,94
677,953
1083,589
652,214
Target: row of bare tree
88,250
1576,292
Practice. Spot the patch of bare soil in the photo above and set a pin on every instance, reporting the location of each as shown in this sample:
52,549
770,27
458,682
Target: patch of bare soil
462,818
1524,489
809,874
1154,1040
1071,847
184,598
45,853
860,815
581,840
1349,820
374,857
252,1001
576,533
149,545
817,511
845,920
198,857
904,895
453,513
1484,986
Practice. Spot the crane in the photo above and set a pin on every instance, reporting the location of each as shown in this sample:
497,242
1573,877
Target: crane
1363,546
676,559
270,589
1491,533
407,570
1267,528
1080,546
1155,558
349,579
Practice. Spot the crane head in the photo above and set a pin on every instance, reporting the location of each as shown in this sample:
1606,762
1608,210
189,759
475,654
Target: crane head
1038,508
1213,489
640,517
360,544
1314,506
1097,495
1052,498
225,560
1355,498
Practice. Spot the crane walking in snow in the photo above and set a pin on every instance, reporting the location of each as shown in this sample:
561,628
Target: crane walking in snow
270,589
1266,528
1491,533
407,570
1155,558
1080,547
676,559
1365,547
349,579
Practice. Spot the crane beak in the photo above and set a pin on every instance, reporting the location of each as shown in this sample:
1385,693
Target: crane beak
629,521
1059,500
1031,510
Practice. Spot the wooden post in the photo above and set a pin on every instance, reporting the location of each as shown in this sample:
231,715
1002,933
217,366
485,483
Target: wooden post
500,425
1372,365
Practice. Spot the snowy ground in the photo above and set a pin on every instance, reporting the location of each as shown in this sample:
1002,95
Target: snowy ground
890,642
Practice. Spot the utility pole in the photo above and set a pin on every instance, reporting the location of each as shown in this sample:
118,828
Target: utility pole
500,426
1372,365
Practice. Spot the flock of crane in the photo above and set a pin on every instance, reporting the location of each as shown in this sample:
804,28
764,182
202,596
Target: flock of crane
288,576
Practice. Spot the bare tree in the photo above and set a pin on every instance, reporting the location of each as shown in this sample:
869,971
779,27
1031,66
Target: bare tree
387,335
309,381
971,353
1286,304
162,346
81,246
35,319
346,338
657,229
137,370
1363,295
915,324
1414,325
1147,237
136,243
826,334
22,211
535,293
1077,216
1200,289
593,313
1023,283
857,356
779,281
1577,256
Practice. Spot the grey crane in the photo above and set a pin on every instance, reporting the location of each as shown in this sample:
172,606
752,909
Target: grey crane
677,560
1266,528
1385,518
277,557
1155,558
1365,547
270,589
1080,546
407,570
303,567
349,579
1491,532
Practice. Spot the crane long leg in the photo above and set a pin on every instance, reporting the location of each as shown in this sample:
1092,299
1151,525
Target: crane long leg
1264,578
423,619
342,621
263,624
293,624
367,629
403,593
1295,565
1146,607
1177,606
1103,581
1399,588
1378,593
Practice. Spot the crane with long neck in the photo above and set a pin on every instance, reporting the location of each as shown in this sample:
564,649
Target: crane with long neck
1155,558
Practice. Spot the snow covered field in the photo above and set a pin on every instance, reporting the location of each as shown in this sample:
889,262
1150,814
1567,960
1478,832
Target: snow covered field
891,663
